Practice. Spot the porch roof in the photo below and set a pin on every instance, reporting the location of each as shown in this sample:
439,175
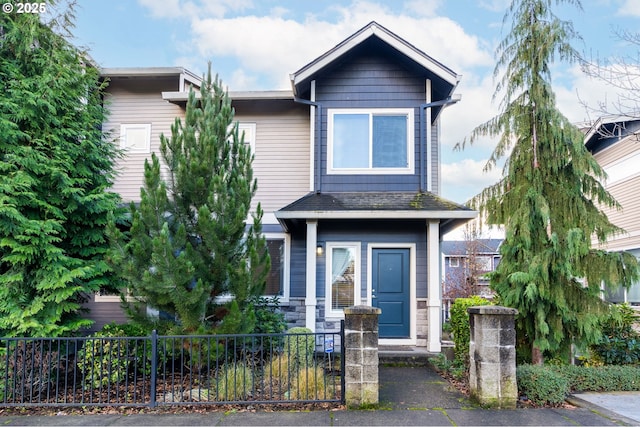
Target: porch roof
376,205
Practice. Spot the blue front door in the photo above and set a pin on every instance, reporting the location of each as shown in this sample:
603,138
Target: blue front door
390,290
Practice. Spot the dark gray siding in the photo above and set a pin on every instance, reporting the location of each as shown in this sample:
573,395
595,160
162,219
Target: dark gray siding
103,312
364,232
370,80
435,158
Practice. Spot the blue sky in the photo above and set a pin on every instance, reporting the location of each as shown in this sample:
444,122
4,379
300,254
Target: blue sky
256,44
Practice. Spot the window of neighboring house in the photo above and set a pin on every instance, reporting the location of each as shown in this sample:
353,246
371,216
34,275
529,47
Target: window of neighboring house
135,138
622,170
110,296
343,277
370,141
621,295
484,263
277,280
454,261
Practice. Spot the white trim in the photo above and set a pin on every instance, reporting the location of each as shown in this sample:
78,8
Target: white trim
434,288
357,278
412,289
366,214
286,263
428,142
371,170
126,127
622,169
310,300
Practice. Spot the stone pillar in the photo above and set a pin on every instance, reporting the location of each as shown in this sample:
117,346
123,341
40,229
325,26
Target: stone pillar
492,356
361,355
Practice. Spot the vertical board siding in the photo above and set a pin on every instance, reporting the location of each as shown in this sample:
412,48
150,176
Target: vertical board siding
281,157
136,102
370,81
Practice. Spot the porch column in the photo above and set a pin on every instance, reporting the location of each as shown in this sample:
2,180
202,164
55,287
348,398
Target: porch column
434,301
310,294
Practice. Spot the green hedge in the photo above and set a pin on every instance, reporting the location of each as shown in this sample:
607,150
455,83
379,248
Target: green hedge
552,384
460,325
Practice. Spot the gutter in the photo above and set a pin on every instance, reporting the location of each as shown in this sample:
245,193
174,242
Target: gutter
423,129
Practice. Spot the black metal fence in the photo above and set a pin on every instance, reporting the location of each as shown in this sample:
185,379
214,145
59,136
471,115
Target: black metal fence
172,370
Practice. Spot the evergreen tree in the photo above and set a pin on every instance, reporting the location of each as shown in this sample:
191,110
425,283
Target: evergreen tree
55,170
188,242
550,197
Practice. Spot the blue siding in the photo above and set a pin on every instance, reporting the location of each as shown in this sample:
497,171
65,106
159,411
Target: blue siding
364,232
372,81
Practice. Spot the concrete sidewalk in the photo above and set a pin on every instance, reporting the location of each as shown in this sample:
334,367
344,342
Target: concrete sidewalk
409,396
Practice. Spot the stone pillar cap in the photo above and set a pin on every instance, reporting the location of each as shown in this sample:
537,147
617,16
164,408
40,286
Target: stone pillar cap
492,309
362,309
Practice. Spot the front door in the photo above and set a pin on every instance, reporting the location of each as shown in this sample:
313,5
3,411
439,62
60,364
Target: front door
390,281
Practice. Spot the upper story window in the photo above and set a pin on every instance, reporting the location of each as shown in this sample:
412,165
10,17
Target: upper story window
135,138
376,141
454,261
249,130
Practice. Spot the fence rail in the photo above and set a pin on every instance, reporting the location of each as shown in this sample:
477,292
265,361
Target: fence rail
172,370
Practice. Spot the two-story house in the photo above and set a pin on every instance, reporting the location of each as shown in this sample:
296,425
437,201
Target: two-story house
348,169
614,143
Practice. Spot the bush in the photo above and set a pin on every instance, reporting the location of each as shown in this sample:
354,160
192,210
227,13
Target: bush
299,346
460,325
552,384
541,384
104,359
278,370
620,343
234,382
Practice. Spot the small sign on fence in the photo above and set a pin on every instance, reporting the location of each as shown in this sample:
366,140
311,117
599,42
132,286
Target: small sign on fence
328,344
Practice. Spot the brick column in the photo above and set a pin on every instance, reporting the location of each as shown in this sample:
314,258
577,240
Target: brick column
492,356
361,355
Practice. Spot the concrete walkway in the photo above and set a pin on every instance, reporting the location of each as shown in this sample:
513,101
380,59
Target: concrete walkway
409,396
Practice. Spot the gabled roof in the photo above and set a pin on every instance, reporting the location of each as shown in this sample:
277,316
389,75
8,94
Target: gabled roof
607,130
374,30
376,205
480,246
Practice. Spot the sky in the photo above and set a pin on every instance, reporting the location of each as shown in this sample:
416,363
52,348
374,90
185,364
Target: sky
257,44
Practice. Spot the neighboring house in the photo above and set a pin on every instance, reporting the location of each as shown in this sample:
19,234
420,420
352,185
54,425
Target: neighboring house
348,169
615,144
466,261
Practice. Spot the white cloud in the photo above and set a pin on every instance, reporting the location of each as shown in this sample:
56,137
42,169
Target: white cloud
629,8
464,179
275,46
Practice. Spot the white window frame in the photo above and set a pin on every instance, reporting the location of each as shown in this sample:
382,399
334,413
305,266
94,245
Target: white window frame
457,261
124,128
409,169
99,297
357,274
249,130
286,262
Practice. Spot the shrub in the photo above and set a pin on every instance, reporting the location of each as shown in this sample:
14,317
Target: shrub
541,384
299,346
601,378
234,382
278,370
310,384
104,359
620,343
460,325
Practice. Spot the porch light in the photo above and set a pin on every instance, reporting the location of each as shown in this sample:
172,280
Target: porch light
320,249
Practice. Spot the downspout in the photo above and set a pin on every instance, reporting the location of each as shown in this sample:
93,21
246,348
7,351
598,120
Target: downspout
318,133
423,129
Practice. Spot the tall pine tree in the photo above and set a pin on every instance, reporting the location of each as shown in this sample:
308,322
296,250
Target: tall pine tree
550,197
55,170
189,242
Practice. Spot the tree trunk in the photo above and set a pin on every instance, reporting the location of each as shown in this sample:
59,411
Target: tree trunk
537,357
